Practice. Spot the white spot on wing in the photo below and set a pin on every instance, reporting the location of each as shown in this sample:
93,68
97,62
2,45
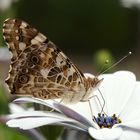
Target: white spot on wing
16,31
44,72
38,38
23,24
22,46
33,41
17,37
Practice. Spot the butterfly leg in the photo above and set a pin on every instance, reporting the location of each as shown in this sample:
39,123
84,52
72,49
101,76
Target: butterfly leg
95,96
90,107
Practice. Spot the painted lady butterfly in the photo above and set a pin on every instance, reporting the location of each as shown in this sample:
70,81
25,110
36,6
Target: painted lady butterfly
40,69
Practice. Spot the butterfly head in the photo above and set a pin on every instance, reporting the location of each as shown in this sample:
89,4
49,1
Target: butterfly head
93,82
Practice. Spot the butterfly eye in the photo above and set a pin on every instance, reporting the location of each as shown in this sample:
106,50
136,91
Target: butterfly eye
23,79
34,59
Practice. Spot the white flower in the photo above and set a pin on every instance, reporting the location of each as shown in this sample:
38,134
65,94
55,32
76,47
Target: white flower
131,3
121,93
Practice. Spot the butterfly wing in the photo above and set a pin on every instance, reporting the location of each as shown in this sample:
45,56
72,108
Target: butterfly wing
38,67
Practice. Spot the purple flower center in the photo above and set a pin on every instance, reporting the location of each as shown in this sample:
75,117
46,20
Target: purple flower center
105,121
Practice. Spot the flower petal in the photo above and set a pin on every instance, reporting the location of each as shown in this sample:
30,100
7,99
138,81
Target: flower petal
26,114
14,108
117,89
33,122
105,133
30,123
75,115
82,108
33,119
135,124
48,103
132,110
130,134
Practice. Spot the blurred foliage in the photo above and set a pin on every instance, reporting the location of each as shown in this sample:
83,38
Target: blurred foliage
82,26
51,132
11,134
3,101
100,59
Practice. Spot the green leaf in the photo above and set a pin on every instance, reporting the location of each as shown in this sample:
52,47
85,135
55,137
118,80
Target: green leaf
3,101
11,134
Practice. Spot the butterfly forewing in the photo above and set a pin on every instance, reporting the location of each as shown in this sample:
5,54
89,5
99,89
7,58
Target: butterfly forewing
39,68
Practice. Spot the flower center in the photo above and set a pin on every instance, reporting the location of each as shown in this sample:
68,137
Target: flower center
105,121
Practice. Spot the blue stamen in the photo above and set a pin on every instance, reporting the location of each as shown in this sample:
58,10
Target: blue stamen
106,121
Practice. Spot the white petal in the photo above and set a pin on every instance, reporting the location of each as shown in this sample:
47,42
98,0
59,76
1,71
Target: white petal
14,108
33,122
132,110
33,119
36,114
82,108
105,133
117,89
76,116
48,103
130,134
135,124
30,123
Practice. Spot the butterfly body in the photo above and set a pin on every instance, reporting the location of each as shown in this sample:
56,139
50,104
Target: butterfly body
40,69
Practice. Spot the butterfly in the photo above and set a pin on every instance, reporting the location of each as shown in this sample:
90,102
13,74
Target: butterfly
40,69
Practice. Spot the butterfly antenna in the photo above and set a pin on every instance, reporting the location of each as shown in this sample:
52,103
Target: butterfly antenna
113,65
102,68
